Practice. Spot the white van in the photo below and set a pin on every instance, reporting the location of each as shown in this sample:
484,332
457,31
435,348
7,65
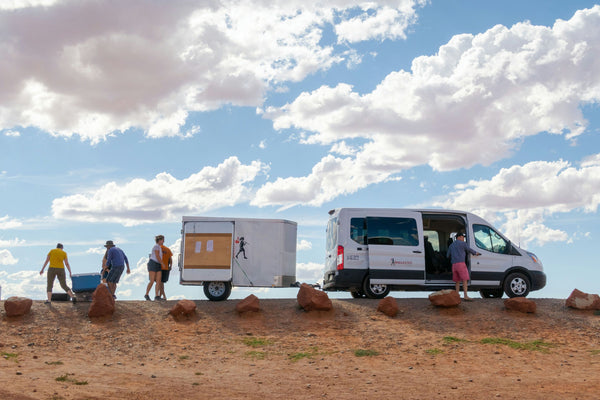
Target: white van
372,251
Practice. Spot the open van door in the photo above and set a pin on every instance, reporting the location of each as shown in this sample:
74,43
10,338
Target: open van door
396,250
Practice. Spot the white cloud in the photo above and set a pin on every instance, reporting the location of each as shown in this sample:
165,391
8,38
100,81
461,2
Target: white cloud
526,195
309,272
6,258
12,133
378,22
9,223
107,70
16,242
28,284
163,198
481,93
18,4
303,245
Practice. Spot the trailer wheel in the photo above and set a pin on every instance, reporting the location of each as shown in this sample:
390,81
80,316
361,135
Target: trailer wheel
375,290
491,293
217,291
516,285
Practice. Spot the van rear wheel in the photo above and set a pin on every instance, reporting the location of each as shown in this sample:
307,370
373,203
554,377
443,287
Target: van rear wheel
375,290
217,291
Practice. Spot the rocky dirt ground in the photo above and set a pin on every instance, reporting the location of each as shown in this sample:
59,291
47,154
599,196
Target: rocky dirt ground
477,350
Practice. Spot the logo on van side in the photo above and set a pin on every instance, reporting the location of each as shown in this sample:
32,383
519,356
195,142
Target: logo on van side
400,262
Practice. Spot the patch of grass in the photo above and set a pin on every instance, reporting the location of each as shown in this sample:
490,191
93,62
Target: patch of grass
299,356
536,345
195,384
257,342
452,339
595,352
256,355
184,357
199,373
54,363
10,356
434,351
65,378
365,353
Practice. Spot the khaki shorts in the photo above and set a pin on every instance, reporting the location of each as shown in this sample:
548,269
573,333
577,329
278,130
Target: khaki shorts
62,279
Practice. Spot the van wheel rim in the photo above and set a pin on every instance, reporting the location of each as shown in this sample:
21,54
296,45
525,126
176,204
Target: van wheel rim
518,286
378,289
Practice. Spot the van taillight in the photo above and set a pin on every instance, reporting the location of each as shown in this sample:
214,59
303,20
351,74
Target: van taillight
340,258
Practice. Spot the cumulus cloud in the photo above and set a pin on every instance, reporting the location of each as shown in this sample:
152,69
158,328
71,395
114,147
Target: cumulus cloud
7,222
303,245
309,272
6,258
525,195
483,93
163,198
107,70
25,284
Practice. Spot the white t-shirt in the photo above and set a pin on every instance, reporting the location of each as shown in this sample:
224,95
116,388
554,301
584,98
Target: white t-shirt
153,253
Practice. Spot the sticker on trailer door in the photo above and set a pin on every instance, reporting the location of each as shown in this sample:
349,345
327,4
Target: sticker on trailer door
241,243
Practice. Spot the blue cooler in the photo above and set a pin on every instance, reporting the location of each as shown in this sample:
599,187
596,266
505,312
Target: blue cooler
85,282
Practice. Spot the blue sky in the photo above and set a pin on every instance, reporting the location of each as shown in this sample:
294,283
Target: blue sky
118,118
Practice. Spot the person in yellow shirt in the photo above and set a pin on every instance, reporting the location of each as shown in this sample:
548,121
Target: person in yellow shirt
58,259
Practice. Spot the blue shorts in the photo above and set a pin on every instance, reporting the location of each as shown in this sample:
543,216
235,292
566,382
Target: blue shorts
154,266
114,274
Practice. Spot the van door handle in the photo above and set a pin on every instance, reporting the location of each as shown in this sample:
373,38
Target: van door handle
359,248
417,251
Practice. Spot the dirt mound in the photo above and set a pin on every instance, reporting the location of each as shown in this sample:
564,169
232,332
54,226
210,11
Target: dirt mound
476,350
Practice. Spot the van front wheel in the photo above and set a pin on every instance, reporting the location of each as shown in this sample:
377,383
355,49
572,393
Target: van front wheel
217,291
516,285
375,290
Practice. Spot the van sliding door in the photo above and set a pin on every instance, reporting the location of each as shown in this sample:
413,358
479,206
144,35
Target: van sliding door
396,249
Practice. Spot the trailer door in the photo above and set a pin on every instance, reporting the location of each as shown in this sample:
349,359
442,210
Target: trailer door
396,249
207,251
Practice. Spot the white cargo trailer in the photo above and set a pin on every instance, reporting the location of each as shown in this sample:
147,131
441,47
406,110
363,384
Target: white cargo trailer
219,253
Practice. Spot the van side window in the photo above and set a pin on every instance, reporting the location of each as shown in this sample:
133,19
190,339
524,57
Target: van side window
488,239
358,230
392,231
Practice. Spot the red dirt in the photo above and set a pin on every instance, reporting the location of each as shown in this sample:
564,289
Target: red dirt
283,352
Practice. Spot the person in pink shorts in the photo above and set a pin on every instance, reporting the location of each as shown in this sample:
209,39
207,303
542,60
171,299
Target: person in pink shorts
458,253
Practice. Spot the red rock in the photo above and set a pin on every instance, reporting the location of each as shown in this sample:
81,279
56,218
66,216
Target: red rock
183,308
250,303
17,306
103,302
583,301
520,304
388,306
310,299
445,298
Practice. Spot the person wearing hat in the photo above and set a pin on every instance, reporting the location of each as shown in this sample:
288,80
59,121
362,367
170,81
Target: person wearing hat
58,260
457,252
116,260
